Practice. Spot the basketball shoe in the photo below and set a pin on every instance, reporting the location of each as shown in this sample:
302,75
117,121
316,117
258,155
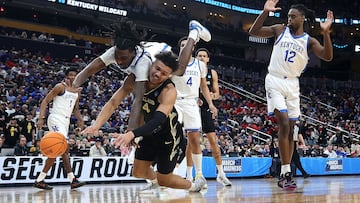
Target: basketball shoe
76,183
42,185
199,184
149,188
204,33
286,182
222,179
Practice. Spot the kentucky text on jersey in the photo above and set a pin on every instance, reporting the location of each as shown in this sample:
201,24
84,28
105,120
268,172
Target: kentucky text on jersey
192,73
292,46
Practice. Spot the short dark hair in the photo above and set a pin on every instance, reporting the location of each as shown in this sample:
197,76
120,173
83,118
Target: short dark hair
70,69
202,49
169,59
182,39
308,13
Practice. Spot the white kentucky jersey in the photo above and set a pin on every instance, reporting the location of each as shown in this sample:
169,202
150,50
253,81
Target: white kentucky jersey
142,61
63,105
289,56
187,85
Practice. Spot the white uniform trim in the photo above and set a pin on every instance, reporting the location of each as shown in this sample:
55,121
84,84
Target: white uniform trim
141,63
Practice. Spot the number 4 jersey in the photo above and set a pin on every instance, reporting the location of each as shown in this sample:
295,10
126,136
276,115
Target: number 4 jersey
187,85
290,55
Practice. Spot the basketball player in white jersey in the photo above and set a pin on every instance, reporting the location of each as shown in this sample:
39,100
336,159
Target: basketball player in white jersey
65,101
132,55
187,85
288,60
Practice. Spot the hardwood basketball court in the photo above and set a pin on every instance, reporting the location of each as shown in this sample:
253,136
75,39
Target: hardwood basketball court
314,189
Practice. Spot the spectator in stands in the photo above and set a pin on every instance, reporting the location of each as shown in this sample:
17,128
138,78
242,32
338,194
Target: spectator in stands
207,150
97,150
2,144
20,148
34,150
12,133
329,152
27,127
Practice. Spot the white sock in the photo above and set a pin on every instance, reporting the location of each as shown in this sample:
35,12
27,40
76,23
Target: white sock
220,170
71,176
189,170
285,168
193,34
197,159
41,177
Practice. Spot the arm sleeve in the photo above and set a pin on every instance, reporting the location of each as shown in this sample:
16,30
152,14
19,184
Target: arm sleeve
109,56
152,126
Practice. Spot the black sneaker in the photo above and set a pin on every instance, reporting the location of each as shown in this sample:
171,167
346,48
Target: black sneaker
42,185
286,182
306,176
76,183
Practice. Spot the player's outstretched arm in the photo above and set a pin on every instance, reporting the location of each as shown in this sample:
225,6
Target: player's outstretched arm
111,105
135,115
93,67
167,100
258,29
324,52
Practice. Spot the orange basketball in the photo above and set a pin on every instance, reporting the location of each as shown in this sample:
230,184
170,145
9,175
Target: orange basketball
53,144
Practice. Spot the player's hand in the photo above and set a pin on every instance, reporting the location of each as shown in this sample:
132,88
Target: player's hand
124,139
213,110
200,102
40,123
90,130
270,5
325,26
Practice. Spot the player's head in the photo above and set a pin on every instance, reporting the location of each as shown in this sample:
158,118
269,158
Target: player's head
164,65
298,14
126,38
203,55
182,43
71,73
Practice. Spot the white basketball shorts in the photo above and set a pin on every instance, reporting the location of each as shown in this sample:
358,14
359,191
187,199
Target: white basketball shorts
283,94
189,114
58,124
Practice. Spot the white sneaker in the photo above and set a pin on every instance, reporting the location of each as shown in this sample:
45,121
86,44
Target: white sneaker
149,188
222,179
199,184
204,33
190,178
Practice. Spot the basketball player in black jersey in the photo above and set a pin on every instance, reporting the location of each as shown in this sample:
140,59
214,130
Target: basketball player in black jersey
207,121
162,133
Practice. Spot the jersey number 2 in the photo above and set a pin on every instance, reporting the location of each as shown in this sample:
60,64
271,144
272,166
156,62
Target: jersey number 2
289,55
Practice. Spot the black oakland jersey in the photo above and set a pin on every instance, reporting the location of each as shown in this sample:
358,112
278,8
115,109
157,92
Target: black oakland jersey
209,83
149,105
